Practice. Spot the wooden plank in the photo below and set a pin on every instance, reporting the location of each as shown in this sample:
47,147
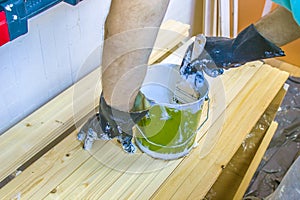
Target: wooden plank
195,175
198,18
104,170
54,166
146,183
91,166
231,177
224,17
292,69
255,162
210,17
61,113
107,179
235,17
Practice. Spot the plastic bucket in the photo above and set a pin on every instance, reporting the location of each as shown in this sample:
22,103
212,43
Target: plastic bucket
169,130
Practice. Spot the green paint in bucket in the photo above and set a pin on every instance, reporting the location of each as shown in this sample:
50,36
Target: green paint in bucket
169,130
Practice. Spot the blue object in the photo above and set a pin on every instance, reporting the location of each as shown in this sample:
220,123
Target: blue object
291,5
17,12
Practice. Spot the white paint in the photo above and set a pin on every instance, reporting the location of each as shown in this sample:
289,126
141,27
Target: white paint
62,45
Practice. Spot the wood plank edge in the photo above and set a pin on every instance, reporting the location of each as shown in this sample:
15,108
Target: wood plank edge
256,160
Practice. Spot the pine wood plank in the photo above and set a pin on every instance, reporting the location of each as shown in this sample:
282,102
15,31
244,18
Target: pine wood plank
60,192
101,181
84,179
231,177
235,17
255,162
210,17
194,176
292,69
144,181
224,18
117,189
54,166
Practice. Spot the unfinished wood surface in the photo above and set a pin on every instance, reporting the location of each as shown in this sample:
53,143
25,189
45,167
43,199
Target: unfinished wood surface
255,162
224,18
235,10
232,175
42,127
292,69
210,17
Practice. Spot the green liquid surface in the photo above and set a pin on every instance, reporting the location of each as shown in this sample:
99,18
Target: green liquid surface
168,130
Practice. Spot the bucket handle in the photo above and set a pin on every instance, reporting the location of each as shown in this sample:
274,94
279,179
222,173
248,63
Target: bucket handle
207,115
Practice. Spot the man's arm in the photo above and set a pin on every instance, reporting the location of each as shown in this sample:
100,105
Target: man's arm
279,27
127,48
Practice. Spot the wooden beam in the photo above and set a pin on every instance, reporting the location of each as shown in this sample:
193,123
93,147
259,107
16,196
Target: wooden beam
235,17
224,18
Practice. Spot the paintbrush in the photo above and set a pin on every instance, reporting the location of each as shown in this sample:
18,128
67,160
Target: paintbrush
186,90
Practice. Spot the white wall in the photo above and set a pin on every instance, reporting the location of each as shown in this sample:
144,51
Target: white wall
62,45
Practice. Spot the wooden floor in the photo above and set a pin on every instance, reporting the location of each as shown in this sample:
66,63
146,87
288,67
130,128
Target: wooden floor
66,171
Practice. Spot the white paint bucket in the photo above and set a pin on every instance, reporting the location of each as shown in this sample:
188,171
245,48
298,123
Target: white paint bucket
169,130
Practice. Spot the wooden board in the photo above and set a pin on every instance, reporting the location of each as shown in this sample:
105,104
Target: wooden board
232,175
284,66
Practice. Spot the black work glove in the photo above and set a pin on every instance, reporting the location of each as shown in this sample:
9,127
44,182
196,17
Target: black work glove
224,53
111,123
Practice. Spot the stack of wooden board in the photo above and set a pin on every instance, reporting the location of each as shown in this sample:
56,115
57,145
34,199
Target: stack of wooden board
238,99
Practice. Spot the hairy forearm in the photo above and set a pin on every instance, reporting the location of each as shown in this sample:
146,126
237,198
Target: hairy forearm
279,27
127,47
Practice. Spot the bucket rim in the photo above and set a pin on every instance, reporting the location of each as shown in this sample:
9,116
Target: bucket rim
183,105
